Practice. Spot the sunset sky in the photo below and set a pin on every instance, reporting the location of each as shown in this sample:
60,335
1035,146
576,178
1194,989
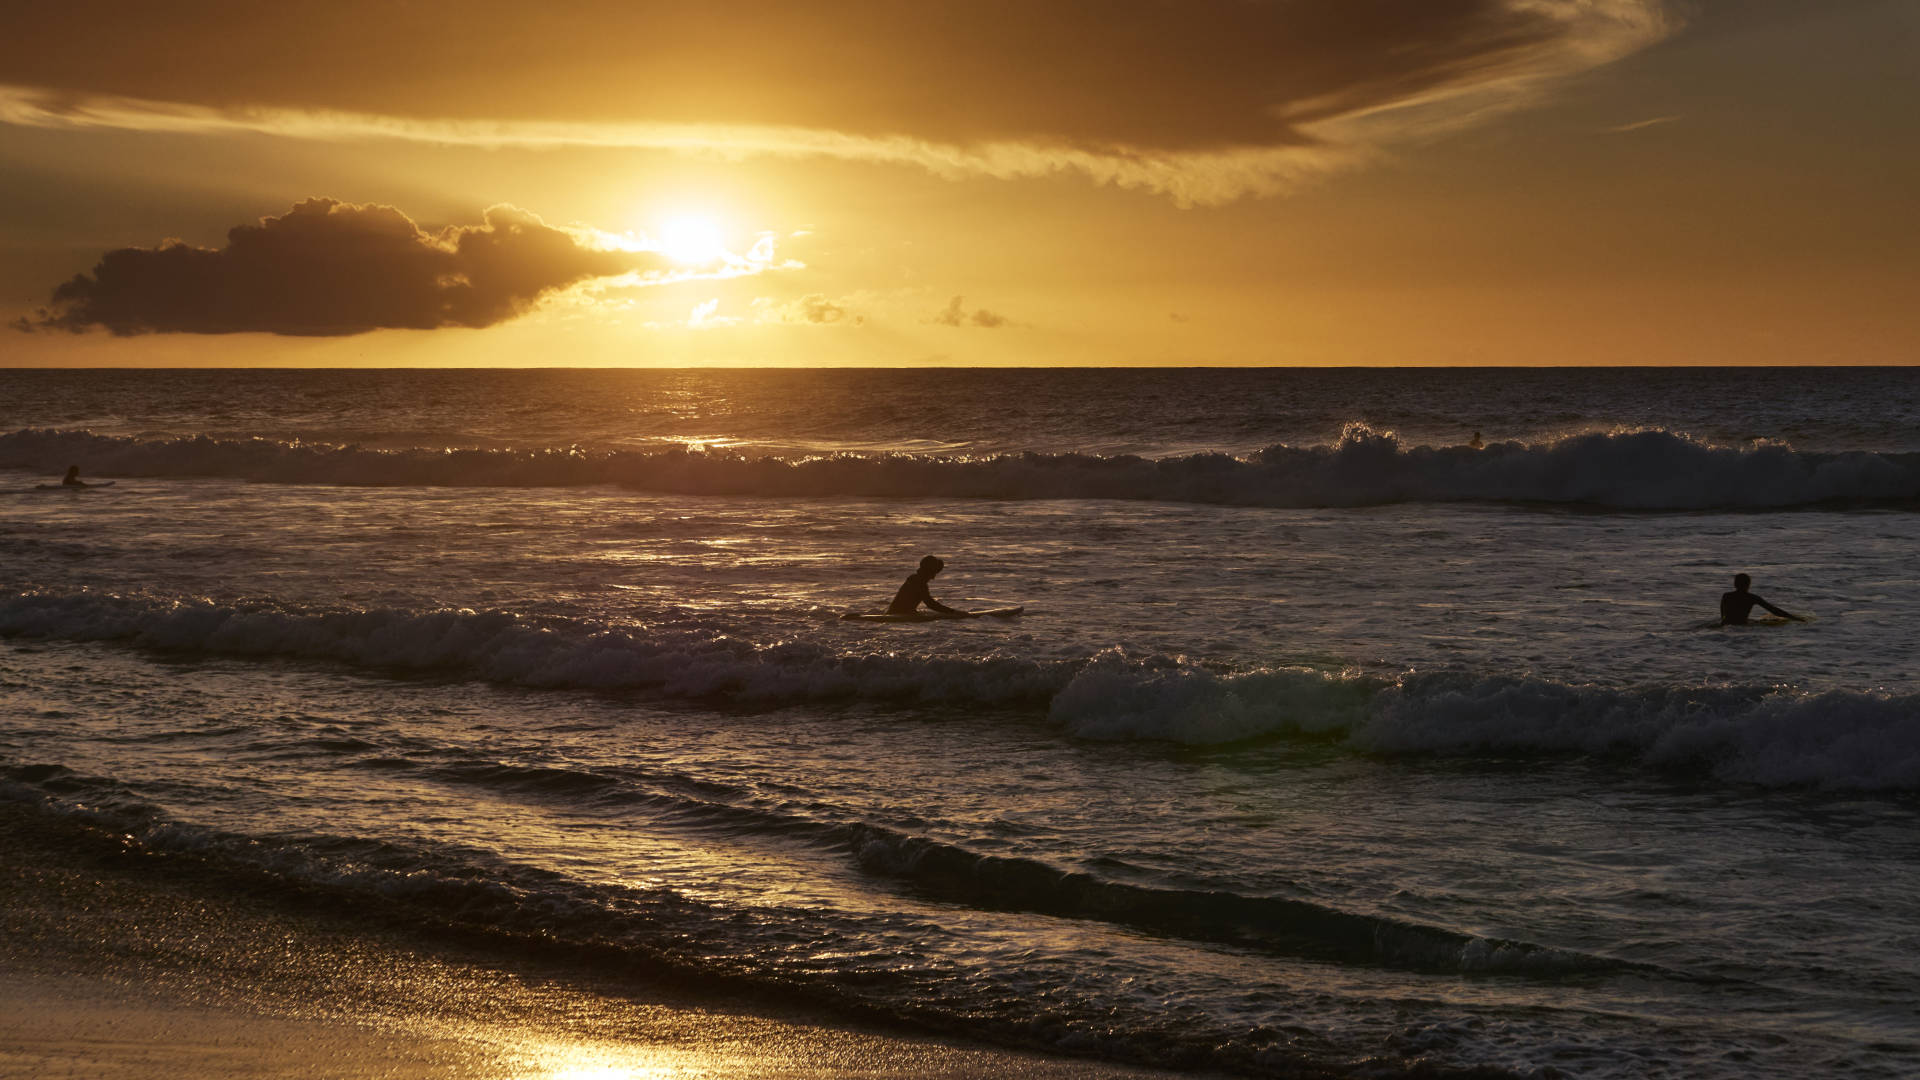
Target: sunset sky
881,183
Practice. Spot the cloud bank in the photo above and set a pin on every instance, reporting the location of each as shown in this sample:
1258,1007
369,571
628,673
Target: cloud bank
1205,100
330,268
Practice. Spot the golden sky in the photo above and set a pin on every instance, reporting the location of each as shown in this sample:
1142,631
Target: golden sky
871,182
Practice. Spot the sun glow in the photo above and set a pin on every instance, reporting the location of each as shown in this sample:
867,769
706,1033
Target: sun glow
693,239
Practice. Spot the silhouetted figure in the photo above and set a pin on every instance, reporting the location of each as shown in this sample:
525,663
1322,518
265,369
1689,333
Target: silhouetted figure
72,478
1475,443
1738,604
913,592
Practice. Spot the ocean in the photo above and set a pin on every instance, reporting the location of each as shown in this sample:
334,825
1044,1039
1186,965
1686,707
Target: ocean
1359,722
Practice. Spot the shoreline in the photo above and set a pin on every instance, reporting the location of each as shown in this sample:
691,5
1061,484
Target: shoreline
111,974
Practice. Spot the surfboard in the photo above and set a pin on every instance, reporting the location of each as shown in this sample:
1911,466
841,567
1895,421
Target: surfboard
1716,624
931,616
72,487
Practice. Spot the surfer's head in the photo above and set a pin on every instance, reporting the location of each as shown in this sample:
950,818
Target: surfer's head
931,565
1740,582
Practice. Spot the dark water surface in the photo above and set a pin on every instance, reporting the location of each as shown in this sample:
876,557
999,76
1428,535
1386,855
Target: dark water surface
1327,740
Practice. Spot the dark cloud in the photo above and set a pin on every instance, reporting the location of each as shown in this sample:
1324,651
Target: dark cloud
1092,75
332,268
956,314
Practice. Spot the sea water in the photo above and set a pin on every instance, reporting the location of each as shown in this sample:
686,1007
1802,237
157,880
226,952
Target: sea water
1330,738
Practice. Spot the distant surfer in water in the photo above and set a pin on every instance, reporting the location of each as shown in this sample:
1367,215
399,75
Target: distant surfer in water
913,592
72,482
1738,604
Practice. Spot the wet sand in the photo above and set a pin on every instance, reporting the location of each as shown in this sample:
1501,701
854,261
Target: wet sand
109,971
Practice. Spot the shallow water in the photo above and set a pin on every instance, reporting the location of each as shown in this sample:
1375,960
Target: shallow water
1341,749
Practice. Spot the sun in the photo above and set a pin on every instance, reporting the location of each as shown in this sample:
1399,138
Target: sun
692,238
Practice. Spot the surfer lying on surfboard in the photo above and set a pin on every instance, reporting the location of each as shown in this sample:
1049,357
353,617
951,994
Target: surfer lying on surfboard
913,592
906,603
1738,604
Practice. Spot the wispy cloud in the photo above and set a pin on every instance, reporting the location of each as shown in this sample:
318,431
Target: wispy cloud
702,314
1189,177
956,314
1640,125
1204,101
813,309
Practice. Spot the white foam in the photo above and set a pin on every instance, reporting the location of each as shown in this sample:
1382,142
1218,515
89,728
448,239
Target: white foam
1765,735
695,662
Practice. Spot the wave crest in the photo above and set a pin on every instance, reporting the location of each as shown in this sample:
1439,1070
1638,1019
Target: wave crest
1761,735
1749,734
1274,924
1639,470
695,661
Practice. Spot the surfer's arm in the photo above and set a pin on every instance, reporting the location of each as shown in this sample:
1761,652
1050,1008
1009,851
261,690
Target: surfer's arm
1777,611
940,607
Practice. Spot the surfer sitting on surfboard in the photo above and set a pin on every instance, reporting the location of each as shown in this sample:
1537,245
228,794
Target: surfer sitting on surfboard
913,592
1738,604
72,482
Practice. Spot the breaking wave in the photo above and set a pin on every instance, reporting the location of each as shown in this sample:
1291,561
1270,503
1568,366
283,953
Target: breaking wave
696,661
1764,735
1639,470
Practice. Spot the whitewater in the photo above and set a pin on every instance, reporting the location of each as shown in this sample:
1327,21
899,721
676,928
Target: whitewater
1359,723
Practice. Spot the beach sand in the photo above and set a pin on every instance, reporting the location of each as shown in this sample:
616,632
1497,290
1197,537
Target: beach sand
112,970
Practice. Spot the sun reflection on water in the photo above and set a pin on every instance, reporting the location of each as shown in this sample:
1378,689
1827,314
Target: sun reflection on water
600,1070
